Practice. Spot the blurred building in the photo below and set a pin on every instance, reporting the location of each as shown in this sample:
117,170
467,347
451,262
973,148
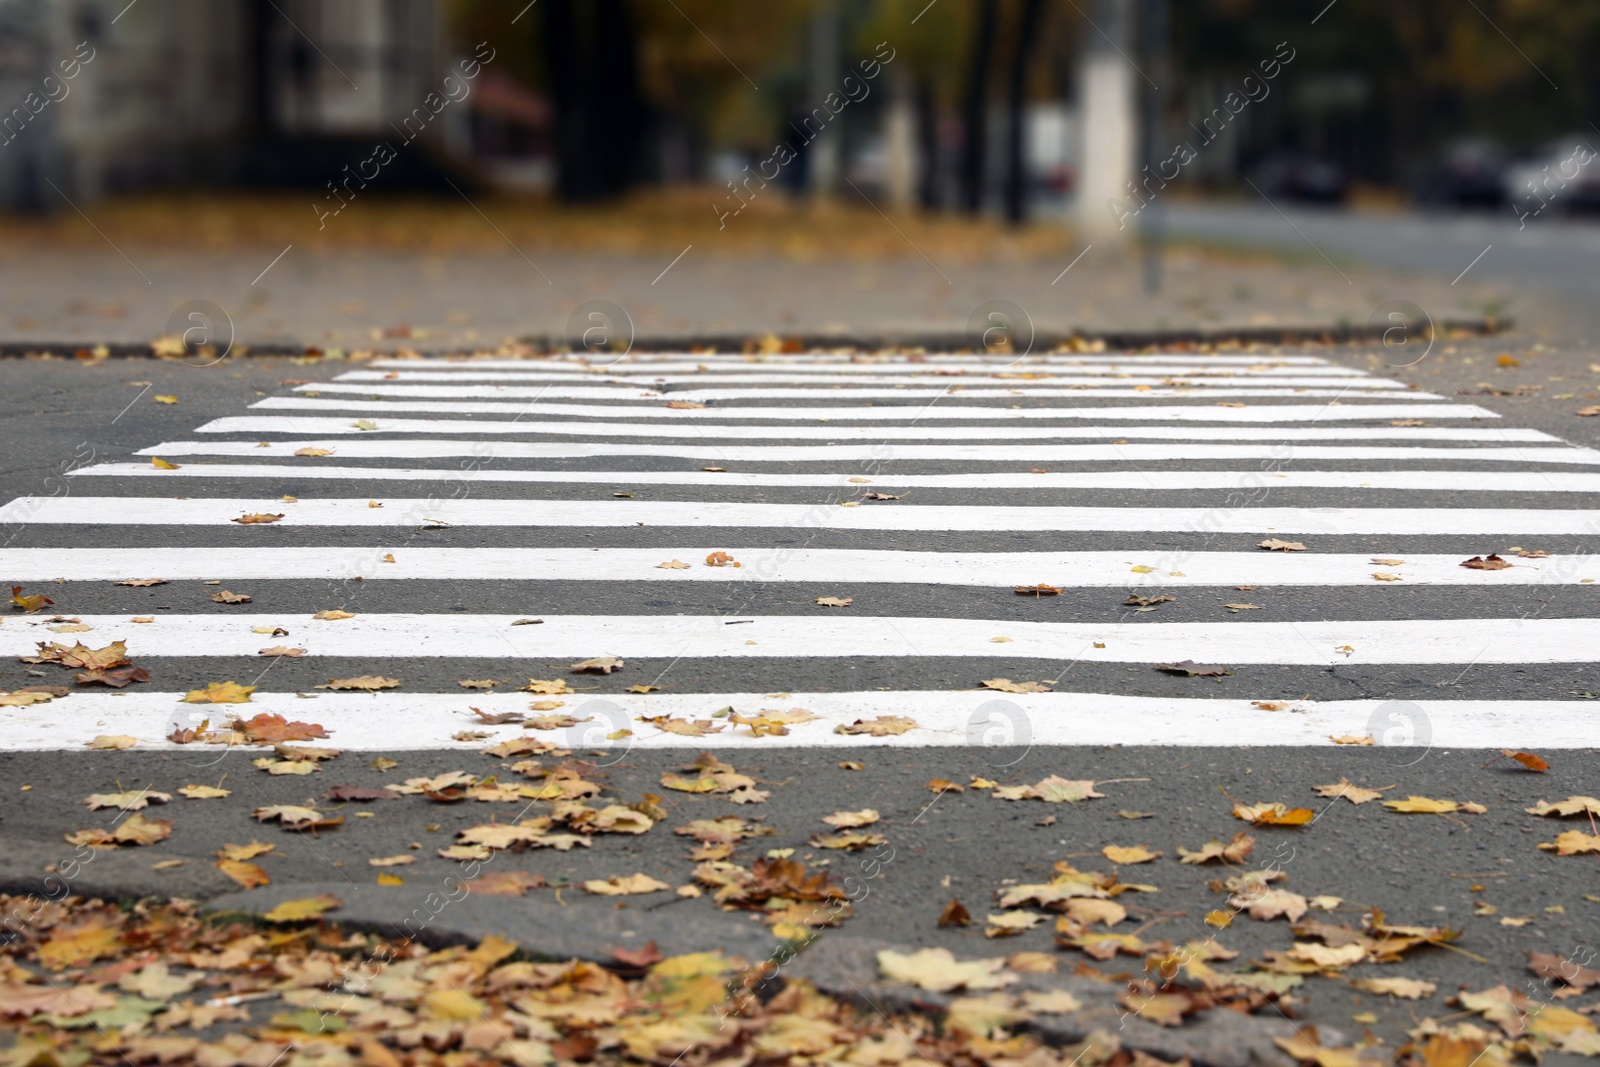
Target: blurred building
100,96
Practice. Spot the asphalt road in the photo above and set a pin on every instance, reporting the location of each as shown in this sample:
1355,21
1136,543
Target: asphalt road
1428,869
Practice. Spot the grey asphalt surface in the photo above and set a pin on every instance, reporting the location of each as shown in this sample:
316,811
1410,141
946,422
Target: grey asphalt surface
1417,868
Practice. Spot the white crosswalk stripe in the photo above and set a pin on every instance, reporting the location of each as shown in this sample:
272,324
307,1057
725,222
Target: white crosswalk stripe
743,529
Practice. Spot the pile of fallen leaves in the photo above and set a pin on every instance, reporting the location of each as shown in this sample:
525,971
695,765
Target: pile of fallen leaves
89,982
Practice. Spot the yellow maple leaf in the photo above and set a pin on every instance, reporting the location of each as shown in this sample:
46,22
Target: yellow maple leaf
229,692
304,908
1121,855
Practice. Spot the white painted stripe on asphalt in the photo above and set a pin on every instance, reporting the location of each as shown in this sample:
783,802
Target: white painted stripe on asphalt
841,635
373,383
825,409
827,360
874,456
1007,393
1158,481
841,567
469,511
313,424
400,721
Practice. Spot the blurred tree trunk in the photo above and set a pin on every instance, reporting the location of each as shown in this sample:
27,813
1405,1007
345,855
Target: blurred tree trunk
592,59
1016,105
974,146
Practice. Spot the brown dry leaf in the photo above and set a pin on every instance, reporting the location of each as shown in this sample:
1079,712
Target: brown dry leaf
205,792
1273,544
954,914
111,741
334,614
75,947
290,816
81,656
229,692
849,840
685,727
257,518
477,683
367,682
1266,904
835,601
672,565
291,911
547,686
721,559
882,726
624,886
1527,759
1235,851
1355,794
115,677
1550,965
281,650
597,665
1570,806
1273,814
1051,790
1129,855
1572,843
937,971
28,603
248,875
142,583
505,883
1037,590
1006,685
684,405
1353,739
223,596
23,698
1491,562
270,729
313,451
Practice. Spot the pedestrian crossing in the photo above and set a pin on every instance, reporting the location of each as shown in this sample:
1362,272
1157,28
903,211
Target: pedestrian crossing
843,534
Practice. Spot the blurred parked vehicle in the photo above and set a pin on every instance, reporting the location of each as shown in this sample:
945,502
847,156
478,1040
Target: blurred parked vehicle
1470,174
1562,174
1293,176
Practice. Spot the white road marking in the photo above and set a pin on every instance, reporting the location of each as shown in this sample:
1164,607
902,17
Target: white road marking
1281,450
841,568
841,634
1154,481
822,515
401,721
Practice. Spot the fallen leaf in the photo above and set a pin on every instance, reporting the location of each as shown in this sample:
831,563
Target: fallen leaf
1011,923
835,602
1491,562
28,603
598,665
333,614
1355,794
1235,851
142,583
1353,739
1191,669
1267,904
1527,759
1273,814
672,565
248,875
851,819
882,726
364,424
1273,544
304,908
115,677
129,801
954,914
75,947
282,650
1037,590
257,518
111,741
1550,965
1125,856
267,728
720,559
367,682
1384,576
220,693
1415,805
849,841
1006,685
162,465
310,451
624,886
1404,988
937,971
204,792
401,860
1573,843
1571,806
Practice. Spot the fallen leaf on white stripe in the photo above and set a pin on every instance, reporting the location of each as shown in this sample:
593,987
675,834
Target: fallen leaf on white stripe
551,722
130,801
220,693
24,698
331,614
162,465
368,682
1006,685
112,741
1352,739
721,559
1273,544
685,727
364,424
835,601
672,565
1491,562
882,726
1387,562
1385,576
598,665
313,451
282,650
257,518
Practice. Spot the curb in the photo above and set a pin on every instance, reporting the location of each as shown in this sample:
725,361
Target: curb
946,341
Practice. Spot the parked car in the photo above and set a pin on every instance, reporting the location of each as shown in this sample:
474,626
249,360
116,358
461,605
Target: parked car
1469,173
1563,174
1293,176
